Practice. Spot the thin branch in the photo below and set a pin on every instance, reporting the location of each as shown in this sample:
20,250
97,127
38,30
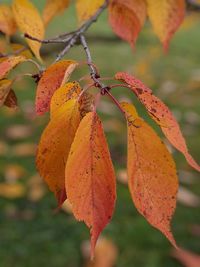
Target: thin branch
46,41
93,73
70,38
104,89
76,35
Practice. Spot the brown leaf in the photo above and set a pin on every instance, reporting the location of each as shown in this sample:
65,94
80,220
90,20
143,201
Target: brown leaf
11,100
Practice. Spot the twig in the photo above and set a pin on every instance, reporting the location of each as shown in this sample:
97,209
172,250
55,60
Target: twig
104,89
46,41
76,35
70,38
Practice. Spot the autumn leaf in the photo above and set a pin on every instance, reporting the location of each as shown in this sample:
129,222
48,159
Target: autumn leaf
90,178
7,21
29,21
5,87
52,78
54,147
166,17
127,18
87,8
53,8
9,63
161,114
11,100
62,95
152,178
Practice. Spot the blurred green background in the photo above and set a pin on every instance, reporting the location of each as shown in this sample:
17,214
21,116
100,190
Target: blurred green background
31,233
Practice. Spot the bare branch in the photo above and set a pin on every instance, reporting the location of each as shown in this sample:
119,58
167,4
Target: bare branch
104,89
70,38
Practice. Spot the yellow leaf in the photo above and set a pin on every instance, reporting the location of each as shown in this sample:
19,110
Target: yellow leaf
29,21
152,177
62,95
7,21
53,8
166,16
90,178
54,147
87,8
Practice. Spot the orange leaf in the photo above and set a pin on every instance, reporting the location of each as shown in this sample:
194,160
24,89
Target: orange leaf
52,78
54,147
90,178
166,17
160,113
127,18
152,178
5,87
87,8
7,21
9,63
62,95
29,21
53,8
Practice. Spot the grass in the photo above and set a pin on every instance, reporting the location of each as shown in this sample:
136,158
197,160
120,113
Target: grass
34,236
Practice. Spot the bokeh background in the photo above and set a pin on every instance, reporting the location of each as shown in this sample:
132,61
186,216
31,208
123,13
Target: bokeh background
31,233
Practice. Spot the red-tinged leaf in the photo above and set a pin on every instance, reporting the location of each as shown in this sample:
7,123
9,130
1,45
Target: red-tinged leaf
7,21
161,114
29,21
5,87
127,18
9,63
87,8
11,100
166,17
152,178
54,147
53,8
52,78
62,95
90,178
